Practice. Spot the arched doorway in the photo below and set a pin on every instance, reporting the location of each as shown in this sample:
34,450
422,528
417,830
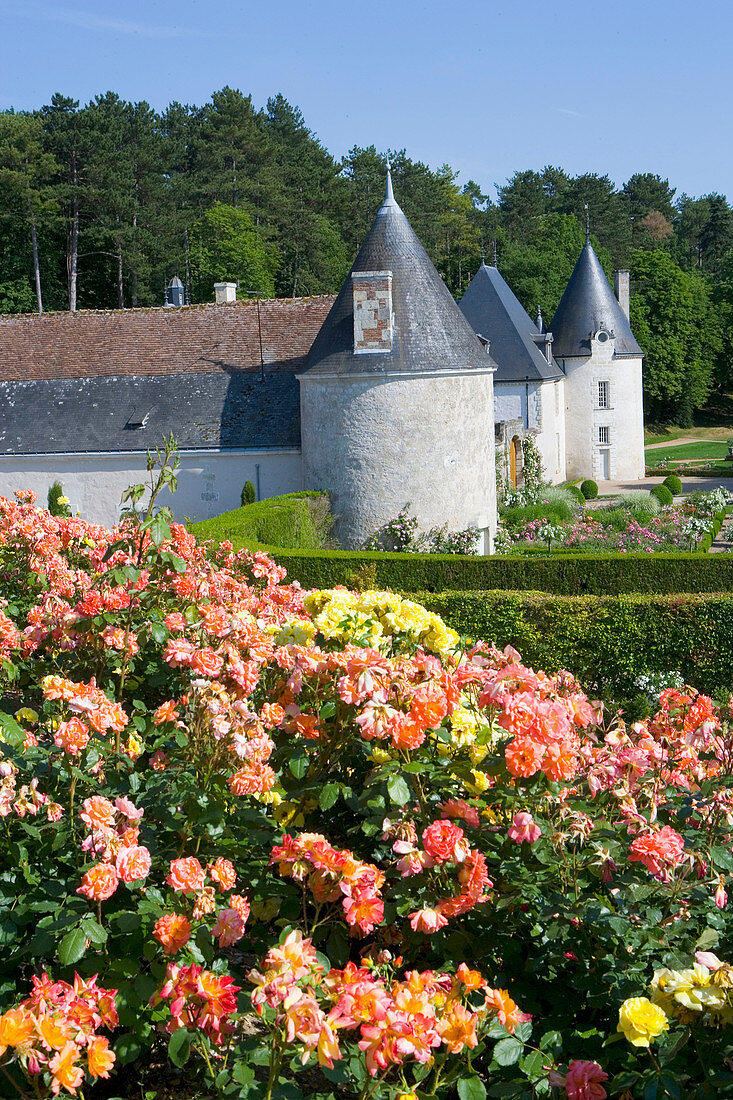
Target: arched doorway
515,461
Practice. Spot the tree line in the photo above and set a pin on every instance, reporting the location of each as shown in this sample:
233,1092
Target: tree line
101,204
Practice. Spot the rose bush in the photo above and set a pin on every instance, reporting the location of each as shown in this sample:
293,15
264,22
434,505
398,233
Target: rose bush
316,844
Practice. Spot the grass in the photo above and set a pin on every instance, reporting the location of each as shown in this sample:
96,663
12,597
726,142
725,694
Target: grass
710,451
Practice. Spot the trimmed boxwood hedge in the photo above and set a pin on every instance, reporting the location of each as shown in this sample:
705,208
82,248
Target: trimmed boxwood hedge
570,574
608,642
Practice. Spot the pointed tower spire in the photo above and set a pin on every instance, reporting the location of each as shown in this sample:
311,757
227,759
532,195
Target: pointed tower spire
389,199
587,224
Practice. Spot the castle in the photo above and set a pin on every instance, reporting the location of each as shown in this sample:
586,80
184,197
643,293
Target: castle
388,395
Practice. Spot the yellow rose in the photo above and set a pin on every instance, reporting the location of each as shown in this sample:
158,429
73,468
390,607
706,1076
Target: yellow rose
641,1021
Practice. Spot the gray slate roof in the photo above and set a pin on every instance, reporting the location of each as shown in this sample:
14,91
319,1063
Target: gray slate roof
430,332
213,410
496,313
587,305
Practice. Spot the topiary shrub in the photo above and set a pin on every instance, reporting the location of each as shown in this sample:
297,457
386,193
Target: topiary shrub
58,504
589,489
575,493
663,494
673,483
248,493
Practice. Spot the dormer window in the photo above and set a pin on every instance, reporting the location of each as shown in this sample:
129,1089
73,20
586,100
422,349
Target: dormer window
603,335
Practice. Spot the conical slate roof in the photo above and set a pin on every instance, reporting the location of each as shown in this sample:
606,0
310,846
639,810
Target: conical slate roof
587,305
497,314
430,332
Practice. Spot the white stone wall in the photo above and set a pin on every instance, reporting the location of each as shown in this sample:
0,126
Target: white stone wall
379,443
209,482
536,404
624,418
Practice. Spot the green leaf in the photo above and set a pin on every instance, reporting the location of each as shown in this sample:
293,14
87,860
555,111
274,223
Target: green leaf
299,764
179,1047
471,1088
127,1049
12,732
72,947
399,792
533,1065
508,1051
722,857
94,931
329,795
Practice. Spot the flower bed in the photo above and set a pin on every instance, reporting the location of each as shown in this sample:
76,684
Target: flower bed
619,529
422,847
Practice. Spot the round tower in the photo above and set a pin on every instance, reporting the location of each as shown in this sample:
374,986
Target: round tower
397,403
595,347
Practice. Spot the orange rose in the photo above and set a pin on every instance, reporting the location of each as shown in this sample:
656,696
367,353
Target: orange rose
222,871
186,875
16,1027
98,813
100,1058
173,931
66,1073
205,662
99,882
166,712
133,863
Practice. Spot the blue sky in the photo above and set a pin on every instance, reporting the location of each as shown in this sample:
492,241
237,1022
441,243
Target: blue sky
488,86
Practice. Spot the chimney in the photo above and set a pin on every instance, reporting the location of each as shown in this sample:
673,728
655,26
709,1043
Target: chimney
373,322
621,290
225,293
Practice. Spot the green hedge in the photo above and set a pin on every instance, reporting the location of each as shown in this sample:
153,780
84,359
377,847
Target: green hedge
294,520
608,642
563,574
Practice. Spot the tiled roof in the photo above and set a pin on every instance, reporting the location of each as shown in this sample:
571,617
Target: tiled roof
159,341
587,305
133,412
495,312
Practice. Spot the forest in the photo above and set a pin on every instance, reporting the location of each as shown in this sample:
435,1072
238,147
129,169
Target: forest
101,204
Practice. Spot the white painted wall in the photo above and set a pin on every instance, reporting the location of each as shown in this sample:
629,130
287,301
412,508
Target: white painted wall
535,404
583,417
209,482
380,442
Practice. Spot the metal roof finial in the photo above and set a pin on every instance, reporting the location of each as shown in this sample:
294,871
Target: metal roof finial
495,260
389,196
540,322
587,224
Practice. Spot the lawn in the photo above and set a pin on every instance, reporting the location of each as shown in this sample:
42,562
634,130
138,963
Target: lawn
709,451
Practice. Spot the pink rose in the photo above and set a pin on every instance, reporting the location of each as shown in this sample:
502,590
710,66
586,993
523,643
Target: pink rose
524,828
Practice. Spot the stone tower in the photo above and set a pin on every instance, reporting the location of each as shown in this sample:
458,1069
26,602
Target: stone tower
594,345
397,396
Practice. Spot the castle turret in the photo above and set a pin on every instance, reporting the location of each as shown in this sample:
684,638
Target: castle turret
595,347
397,396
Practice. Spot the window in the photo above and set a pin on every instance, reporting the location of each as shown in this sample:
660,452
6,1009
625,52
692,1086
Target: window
604,434
604,395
